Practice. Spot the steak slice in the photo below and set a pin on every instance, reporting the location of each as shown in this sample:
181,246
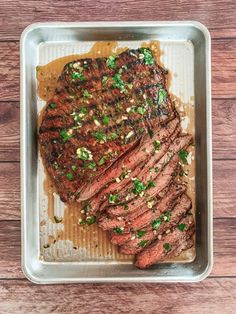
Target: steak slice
168,245
118,175
163,223
176,146
101,108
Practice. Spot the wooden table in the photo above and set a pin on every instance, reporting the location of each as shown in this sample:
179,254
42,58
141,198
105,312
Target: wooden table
216,294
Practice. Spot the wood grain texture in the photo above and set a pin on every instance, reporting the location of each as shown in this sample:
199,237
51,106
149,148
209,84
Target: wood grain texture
223,69
224,248
9,191
213,13
9,131
224,175
207,297
224,130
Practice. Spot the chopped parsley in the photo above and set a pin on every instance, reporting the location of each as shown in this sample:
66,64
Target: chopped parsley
102,161
150,184
65,135
118,82
86,94
141,110
140,233
167,247
166,217
138,187
150,132
104,79
84,154
156,224
69,176
147,56
183,155
112,136
111,62
77,75
126,207
57,219
52,106
90,220
113,198
143,243
149,102
157,145
105,120
83,110
74,167
118,230
162,96
182,227
92,165
100,136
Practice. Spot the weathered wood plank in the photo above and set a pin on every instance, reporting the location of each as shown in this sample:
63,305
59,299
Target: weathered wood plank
224,189
223,69
9,131
224,130
224,248
207,297
212,13
9,191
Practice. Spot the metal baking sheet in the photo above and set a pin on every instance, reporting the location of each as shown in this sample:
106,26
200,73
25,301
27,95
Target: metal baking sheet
185,51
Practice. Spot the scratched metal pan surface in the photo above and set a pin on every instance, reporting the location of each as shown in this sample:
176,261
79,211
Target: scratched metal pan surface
185,50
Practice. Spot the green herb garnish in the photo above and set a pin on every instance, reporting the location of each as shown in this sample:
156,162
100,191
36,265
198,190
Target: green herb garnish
92,165
143,243
148,57
167,247
183,155
150,184
118,82
111,62
138,187
74,167
83,110
112,136
52,106
90,220
162,96
104,79
157,145
156,169
102,161
65,135
167,215
156,224
84,154
182,227
86,94
140,233
105,120
77,75
141,110
113,198
126,207
100,136
118,230
69,176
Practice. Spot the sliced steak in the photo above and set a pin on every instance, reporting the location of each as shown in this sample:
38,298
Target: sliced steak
163,223
163,248
173,193
146,176
122,168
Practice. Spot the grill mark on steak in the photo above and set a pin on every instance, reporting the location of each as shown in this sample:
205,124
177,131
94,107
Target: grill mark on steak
176,212
156,252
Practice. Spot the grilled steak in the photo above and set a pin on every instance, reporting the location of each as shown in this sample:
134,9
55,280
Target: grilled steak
168,245
111,137
164,222
100,109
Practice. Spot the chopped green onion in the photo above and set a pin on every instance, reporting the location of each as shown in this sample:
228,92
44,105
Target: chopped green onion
182,227
156,224
157,145
140,233
118,230
167,247
143,243
183,155
69,176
